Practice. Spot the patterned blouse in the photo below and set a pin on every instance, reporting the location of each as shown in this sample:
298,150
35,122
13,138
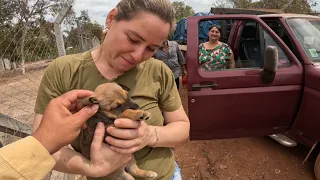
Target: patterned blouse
214,59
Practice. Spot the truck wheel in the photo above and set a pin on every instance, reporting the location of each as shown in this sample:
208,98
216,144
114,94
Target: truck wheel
317,167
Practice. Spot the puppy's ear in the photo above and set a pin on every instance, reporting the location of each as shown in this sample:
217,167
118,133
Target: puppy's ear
93,100
89,101
124,87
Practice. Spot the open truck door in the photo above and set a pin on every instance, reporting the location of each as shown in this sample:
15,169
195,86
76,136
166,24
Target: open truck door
307,33
240,102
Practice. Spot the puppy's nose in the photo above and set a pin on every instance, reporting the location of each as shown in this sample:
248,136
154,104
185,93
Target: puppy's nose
135,106
132,104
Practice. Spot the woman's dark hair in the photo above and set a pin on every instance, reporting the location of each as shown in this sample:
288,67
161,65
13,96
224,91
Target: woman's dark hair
128,9
216,26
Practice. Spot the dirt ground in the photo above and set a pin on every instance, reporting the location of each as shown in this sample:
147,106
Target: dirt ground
255,158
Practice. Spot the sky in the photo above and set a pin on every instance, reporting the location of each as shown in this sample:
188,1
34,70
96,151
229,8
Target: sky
98,9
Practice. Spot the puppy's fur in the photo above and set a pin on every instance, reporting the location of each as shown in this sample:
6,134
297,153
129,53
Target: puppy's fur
114,103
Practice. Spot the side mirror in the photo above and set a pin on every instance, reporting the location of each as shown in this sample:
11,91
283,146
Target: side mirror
270,64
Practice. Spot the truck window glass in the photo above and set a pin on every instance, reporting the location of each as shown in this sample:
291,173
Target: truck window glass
214,52
307,32
278,28
283,59
249,46
245,50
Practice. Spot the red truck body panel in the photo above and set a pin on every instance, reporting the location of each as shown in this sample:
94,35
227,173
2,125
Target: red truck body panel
238,104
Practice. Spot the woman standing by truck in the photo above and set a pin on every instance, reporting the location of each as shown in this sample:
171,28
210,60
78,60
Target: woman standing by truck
215,55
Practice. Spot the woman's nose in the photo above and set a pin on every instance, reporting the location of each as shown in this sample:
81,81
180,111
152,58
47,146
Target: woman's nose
137,54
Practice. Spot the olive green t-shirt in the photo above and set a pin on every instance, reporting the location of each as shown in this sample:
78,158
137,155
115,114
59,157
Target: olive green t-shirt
151,85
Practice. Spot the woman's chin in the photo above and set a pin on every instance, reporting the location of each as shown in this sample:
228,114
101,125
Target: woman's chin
215,39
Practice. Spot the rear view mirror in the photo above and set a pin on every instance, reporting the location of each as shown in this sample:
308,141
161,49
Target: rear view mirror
270,64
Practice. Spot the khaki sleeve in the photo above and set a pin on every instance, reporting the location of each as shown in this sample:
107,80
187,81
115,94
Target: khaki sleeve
25,159
51,86
169,100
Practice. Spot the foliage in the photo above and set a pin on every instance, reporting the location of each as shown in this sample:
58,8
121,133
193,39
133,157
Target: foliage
80,37
288,6
26,33
182,10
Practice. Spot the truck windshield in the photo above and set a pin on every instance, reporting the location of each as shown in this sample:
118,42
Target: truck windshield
307,32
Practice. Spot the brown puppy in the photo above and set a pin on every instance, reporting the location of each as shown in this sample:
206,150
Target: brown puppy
114,103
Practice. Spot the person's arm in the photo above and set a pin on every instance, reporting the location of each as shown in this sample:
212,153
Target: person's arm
25,159
181,59
232,63
176,125
30,158
67,160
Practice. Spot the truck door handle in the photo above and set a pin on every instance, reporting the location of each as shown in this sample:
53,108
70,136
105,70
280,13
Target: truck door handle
198,87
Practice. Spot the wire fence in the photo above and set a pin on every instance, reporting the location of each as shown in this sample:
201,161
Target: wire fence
28,44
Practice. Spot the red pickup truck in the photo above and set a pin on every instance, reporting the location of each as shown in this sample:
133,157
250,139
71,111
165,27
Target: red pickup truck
238,102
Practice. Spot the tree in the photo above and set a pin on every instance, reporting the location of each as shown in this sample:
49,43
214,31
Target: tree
288,6
30,11
182,10
81,36
8,9
24,33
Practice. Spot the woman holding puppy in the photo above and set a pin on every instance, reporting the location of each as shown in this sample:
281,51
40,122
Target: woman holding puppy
136,29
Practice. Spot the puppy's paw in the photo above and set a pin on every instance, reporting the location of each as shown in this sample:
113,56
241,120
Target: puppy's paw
151,174
144,116
136,115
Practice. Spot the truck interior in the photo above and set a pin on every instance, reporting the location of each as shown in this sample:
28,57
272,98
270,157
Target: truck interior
249,46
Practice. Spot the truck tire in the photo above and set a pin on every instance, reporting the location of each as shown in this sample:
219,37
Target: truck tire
317,168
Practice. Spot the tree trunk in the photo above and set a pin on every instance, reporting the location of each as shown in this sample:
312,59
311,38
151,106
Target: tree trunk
22,53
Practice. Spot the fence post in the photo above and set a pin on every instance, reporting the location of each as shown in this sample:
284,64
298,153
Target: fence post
58,32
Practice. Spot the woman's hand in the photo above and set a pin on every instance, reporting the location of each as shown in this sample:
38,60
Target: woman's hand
129,136
103,160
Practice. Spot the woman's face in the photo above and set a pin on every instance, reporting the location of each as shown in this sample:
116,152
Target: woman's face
214,34
129,43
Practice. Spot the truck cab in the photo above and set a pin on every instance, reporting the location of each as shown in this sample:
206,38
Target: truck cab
232,103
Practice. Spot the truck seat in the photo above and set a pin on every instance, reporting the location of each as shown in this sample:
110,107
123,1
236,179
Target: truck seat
250,51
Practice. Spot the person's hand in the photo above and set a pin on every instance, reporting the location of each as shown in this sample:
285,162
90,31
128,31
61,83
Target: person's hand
59,127
129,136
185,72
104,160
